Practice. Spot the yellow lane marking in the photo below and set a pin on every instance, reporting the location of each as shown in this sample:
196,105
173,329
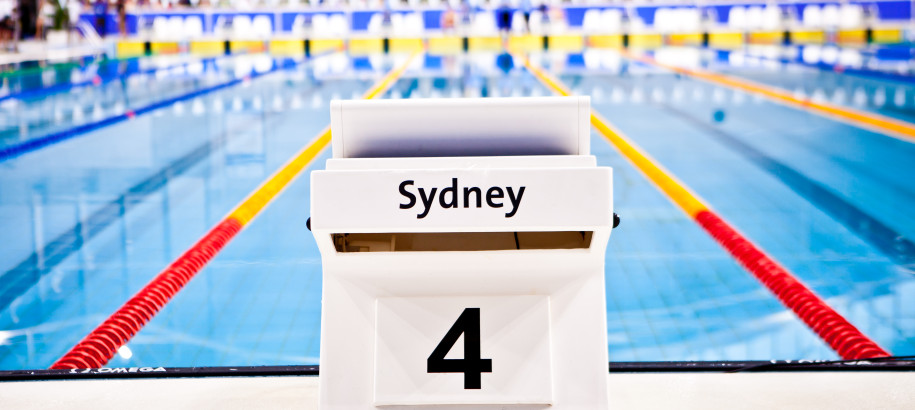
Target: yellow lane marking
862,119
269,189
662,178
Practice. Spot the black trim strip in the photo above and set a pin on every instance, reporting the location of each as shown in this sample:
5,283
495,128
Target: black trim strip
157,372
312,370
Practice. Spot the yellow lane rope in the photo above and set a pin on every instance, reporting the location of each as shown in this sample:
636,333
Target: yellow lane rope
867,120
269,189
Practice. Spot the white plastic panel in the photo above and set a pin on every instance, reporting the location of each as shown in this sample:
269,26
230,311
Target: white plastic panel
462,200
513,336
461,127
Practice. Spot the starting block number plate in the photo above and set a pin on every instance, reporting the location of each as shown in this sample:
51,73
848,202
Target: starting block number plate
463,350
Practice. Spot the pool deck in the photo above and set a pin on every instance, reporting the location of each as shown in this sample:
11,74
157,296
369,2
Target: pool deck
652,390
34,50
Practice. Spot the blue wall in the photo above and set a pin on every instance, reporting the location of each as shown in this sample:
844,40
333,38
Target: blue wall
888,10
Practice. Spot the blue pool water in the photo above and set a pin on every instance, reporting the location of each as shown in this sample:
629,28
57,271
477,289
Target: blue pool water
88,220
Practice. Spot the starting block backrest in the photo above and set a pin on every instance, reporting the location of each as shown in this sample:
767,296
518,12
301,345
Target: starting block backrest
460,127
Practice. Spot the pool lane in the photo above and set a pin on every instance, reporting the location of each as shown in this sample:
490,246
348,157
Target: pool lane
872,188
242,126
686,61
106,340
730,164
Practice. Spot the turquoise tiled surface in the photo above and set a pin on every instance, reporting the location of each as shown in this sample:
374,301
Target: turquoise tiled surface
146,189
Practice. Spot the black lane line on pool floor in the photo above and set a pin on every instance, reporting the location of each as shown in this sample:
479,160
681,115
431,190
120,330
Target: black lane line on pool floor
27,273
891,243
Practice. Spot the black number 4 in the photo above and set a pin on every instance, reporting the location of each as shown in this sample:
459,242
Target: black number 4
471,365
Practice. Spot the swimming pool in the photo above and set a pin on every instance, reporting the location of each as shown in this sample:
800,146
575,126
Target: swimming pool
90,216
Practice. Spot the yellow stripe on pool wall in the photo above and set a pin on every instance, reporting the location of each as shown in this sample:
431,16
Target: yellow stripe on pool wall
325,44
862,119
269,189
400,44
605,41
646,40
164,47
286,47
207,47
765,37
484,43
851,36
808,37
678,193
445,44
887,36
527,42
727,39
363,46
246,46
130,48
682,39
566,42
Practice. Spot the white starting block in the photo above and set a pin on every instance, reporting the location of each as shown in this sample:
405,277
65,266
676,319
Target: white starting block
463,248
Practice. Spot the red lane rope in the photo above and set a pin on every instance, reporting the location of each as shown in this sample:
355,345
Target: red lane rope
842,336
102,344
849,342
97,348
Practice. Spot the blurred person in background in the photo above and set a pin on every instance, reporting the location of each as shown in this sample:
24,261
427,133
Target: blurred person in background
504,19
554,17
386,10
8,25
526,8
448,18
466,13
43,19
544,13
28,13
73,9
122,17
100,9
